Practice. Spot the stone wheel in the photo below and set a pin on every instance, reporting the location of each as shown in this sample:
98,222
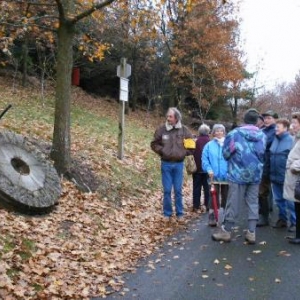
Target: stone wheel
28,181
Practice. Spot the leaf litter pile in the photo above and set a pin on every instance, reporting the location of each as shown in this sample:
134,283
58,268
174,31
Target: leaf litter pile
80,249
87,242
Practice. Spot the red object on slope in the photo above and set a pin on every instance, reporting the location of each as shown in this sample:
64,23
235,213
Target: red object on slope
214,199
76,76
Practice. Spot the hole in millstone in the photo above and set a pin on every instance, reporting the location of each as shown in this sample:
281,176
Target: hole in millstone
20,166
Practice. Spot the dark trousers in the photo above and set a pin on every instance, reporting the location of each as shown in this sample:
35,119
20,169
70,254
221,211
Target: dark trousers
264,194
200,180
222,193
297,211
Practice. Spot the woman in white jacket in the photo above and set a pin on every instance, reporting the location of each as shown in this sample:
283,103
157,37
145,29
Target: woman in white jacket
292,173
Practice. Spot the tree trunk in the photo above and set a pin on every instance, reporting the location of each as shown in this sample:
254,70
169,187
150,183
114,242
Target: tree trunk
134,91
25,60
61,136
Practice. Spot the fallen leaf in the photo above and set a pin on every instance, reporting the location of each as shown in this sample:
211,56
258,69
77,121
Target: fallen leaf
284,253
263,243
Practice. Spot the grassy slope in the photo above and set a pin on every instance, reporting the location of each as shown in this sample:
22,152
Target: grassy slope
94,137
97,235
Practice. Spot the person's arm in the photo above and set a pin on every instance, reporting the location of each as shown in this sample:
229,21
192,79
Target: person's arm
295,166
228,147
156,144
206,166
187,133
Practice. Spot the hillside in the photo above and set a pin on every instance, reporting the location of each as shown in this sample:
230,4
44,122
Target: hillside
81,248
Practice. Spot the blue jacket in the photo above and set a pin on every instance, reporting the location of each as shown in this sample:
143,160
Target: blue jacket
279,152
244,149
270,135
213,160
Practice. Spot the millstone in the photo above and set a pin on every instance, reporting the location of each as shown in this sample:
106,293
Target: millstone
28,181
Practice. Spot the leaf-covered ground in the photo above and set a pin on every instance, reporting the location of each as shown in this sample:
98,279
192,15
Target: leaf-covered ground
81,248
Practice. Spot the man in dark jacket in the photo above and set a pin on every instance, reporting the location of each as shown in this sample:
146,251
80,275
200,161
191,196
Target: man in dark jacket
265,195
279,151
168,144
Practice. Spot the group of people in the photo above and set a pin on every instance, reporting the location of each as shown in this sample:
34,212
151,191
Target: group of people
257,162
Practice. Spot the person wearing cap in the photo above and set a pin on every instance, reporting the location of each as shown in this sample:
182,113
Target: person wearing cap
292,174
265,195
215,165
244,149
260,122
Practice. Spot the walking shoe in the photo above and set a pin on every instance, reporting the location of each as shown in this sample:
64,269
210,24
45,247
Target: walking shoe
280,224
221,235
292,228
212,220
262,221
250,237
295,241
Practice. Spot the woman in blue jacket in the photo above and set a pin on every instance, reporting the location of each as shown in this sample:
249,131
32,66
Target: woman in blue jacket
279,152
215,165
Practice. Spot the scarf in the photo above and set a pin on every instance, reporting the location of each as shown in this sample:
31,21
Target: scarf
220,141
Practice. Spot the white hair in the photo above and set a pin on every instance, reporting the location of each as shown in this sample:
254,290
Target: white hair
218,126
203,129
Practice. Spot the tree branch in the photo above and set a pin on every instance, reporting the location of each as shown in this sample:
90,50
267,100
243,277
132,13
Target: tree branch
90,11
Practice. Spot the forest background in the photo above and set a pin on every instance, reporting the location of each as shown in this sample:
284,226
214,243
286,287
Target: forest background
182,53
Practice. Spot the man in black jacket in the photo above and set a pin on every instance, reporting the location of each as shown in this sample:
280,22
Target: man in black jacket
265,194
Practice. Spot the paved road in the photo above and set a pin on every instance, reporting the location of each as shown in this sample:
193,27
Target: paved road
192,266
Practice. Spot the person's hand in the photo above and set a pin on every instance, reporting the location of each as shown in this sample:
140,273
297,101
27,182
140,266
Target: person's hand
211,175
293,171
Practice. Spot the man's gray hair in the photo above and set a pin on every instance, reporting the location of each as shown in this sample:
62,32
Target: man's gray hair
176,112
204,129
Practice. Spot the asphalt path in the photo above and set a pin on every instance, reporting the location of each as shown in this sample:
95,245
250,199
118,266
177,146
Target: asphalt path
190,265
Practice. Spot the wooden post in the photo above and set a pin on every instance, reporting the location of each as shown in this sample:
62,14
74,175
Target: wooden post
121,115
122,73
121,130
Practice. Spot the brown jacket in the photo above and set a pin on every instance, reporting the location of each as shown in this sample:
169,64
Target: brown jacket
168,142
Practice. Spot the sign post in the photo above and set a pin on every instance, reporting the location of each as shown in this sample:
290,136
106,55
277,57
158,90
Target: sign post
123,71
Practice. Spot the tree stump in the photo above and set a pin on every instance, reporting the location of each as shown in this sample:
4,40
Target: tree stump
28,181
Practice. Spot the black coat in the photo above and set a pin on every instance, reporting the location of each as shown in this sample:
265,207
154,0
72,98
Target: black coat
200,143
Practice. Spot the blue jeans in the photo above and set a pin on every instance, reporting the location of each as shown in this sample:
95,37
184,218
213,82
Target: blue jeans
172,177
283,204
